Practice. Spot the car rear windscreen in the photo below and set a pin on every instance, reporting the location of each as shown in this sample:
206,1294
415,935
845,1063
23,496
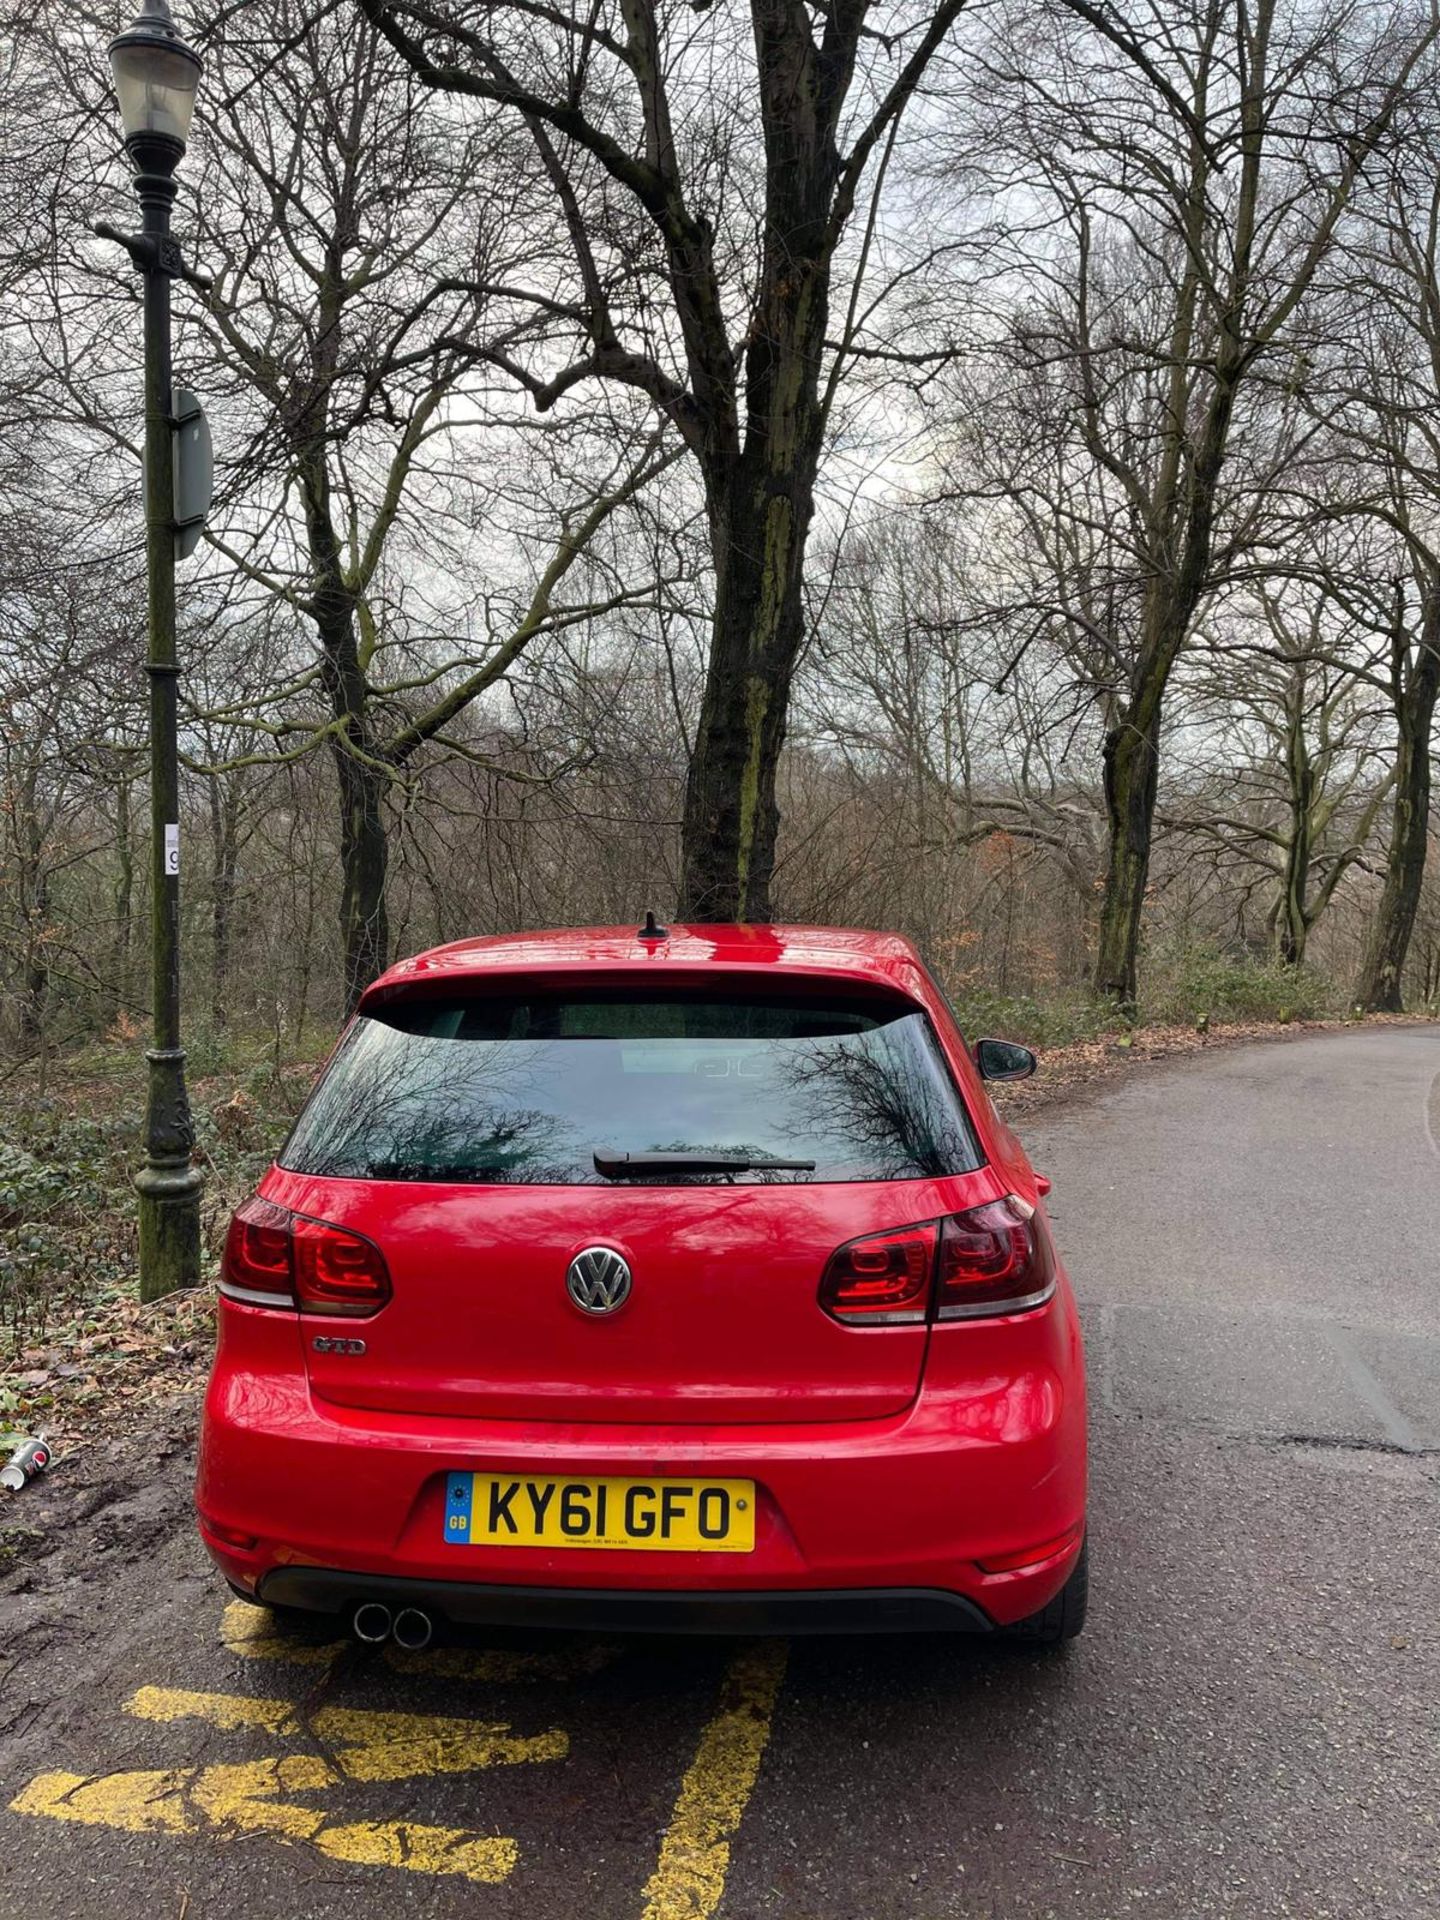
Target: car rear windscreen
528,1089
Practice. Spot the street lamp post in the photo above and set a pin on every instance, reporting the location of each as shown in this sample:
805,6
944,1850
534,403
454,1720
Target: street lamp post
156,78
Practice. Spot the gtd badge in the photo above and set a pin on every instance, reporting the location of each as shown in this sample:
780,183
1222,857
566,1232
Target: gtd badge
598,1280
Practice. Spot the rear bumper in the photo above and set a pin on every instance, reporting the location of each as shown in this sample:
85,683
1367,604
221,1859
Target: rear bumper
629,1610
880,1522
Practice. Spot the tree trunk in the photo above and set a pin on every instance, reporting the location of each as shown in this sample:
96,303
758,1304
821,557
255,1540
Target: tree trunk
362,778
1293,936
364,859
1131,770
1295,903
35,904
731,815
1415,689
761,499
224,827
124,896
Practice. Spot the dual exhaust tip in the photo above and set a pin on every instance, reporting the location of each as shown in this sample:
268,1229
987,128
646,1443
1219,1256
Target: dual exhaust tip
411,1628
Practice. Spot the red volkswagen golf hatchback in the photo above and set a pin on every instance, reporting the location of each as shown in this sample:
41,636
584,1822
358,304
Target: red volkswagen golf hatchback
675,1279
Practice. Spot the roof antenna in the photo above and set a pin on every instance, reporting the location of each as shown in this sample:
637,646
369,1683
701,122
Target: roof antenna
652,929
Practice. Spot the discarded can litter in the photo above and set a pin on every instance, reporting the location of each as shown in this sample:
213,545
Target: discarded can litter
28,1459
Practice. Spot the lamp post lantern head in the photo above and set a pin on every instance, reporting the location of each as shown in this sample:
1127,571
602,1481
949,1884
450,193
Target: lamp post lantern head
156,77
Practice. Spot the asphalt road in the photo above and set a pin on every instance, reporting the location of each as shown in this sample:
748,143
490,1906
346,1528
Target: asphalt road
1250,1727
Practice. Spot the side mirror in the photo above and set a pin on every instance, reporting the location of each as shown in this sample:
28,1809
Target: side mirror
1003,1060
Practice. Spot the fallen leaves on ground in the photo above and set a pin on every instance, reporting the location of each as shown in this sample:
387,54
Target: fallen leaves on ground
90,1378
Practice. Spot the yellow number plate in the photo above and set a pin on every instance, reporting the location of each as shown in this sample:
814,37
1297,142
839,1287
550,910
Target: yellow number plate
667,1516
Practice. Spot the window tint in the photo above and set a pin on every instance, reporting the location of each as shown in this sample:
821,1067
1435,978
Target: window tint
527,1089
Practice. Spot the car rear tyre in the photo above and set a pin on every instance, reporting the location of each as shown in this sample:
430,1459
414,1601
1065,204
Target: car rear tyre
1064,1617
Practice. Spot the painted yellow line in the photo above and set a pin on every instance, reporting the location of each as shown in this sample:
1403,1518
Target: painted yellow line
133,1802
229,1711
259,1796
249,1632
365,1745
402,1843
689,1878
413,1746
245,1799
252,1795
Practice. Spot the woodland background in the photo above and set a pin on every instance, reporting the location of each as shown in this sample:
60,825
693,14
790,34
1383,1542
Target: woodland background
1126,479
972,470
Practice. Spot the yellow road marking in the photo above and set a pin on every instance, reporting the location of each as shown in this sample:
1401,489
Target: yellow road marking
366,1745
248,1631
228,1711
257,1796
133,1802
412,1746
694,1859
187,1800
402,1843
248,1794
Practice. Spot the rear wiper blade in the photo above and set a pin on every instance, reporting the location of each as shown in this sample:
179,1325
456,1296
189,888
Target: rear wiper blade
622,1166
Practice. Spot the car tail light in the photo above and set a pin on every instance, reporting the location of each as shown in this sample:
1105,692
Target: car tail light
337,1271
257,1264
991,1260
883,1280
275,1258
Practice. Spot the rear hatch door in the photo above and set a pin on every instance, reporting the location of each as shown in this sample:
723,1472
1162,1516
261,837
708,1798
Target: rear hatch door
461,1135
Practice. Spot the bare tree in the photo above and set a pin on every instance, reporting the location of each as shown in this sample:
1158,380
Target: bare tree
342,377
1290,769
1375,383
708,188
1189,192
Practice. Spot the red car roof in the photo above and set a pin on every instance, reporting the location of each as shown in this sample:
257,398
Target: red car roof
849,953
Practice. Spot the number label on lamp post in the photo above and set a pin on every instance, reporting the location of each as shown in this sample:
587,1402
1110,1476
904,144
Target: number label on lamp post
172,849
